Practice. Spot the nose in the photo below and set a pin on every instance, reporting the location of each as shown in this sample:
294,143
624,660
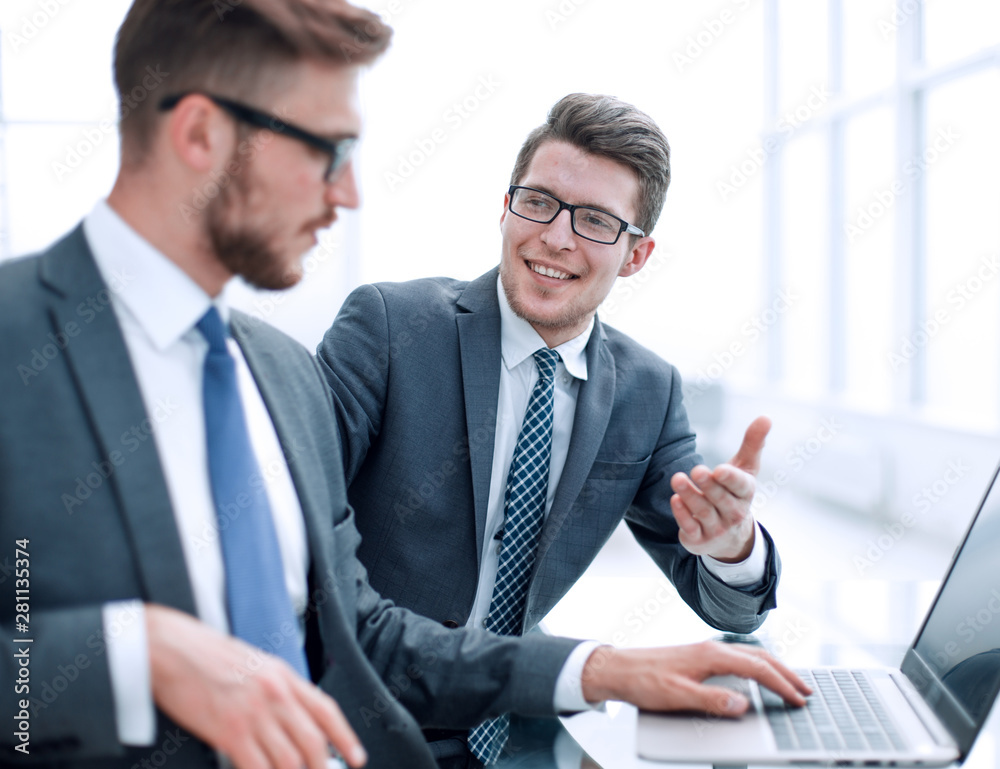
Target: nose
343,190
558,234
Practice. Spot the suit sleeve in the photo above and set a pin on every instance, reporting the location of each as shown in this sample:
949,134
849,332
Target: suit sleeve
651,520
354,359
453,678
53,668
61,682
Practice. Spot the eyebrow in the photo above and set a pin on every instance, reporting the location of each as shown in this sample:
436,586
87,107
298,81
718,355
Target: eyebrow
599,207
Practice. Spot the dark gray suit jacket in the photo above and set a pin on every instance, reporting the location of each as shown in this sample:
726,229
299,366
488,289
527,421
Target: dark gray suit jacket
80,479
415,372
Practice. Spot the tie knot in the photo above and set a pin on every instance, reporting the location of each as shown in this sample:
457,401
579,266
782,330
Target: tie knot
546,360
214,330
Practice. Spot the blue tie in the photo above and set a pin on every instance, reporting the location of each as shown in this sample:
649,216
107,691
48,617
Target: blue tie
524,511
260,611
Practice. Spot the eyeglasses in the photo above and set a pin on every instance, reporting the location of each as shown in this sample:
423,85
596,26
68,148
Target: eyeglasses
339,150
590,223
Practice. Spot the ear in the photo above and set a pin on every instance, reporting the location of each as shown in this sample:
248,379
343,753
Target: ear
200,134
506,203
637,257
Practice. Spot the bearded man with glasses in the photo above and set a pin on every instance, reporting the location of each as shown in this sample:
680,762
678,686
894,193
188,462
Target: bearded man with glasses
495,432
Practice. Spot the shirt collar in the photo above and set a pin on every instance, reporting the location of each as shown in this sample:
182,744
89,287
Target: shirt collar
518,340
164,301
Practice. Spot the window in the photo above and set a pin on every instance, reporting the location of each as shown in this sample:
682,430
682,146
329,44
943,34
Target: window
887,225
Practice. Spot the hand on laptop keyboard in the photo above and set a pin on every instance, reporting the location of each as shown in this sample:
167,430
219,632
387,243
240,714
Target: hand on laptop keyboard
742,686
674,678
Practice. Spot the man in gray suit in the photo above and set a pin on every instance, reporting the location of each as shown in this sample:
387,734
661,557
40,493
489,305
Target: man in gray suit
431,380
153,469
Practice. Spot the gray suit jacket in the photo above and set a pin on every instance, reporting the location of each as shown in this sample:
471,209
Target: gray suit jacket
80,479
415,371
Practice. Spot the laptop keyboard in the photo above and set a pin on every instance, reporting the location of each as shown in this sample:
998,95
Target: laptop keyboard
843,713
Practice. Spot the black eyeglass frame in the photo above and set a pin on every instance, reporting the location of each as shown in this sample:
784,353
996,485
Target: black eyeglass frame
339,150
631,229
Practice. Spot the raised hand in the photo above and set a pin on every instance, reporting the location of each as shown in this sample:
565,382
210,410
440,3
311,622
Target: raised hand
712,507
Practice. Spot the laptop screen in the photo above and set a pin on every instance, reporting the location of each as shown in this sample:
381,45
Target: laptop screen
959,643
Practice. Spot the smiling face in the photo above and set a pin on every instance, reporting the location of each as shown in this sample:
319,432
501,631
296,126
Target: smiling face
262,223
552,277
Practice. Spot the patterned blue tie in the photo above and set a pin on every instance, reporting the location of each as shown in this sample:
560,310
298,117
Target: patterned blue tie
260,611
524,511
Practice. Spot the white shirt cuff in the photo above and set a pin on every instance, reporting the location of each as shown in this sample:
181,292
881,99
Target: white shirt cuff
128,661
747,572
568,697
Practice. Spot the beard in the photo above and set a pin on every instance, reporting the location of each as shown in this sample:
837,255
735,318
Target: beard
572,313
243,248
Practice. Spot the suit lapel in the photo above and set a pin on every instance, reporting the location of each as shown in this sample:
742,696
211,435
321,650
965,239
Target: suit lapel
109,392
593,410
283,392
478,322
289,382
274,383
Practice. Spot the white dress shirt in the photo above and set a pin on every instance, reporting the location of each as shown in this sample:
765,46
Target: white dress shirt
518,375
157,306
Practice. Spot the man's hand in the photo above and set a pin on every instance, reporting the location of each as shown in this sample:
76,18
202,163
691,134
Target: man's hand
670,678
248,704
712,507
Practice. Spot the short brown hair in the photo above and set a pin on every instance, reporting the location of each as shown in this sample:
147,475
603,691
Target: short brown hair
230,47
607,126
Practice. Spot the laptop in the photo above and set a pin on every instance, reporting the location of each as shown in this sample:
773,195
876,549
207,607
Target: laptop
926,713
